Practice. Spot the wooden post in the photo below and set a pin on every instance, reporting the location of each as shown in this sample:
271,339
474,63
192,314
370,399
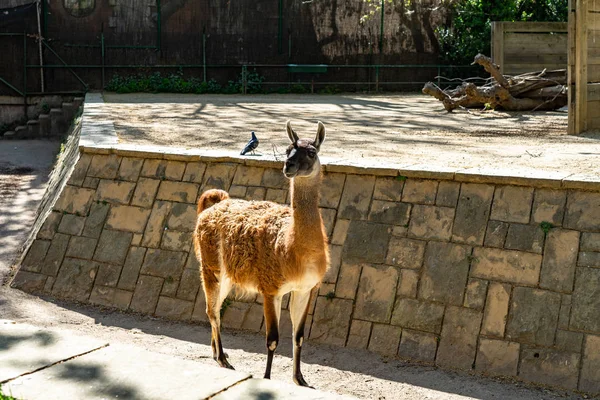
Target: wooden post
581,67
498,44
571,71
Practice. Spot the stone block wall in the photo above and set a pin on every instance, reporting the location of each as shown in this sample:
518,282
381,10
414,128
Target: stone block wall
499,278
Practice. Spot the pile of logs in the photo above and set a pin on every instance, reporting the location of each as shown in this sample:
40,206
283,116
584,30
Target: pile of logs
542,90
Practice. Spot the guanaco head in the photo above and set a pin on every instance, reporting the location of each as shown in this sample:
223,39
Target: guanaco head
301,155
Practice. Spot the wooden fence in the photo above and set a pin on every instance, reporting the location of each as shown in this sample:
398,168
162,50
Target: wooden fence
519,47
584,65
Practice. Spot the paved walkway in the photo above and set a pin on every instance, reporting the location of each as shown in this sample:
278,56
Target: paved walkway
50,364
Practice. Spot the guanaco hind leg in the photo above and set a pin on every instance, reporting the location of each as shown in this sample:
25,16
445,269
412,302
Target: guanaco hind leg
298,311
215,293
272,310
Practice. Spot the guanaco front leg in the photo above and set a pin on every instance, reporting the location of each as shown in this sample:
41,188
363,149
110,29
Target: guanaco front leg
298,311
272,309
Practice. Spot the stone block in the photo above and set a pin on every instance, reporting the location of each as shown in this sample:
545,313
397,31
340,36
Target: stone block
50,226
170,287
35,256
445,272
495,234
347,282
366,242
496,309
145,296
130,168
71,224
237,192
408,283
472,213
248,176
376,293
75,279
360,332
589,241
131,268
91,183
79,172
194,172
164,263
218,176
335,256
419,315
565,311
111,297
512,204
340,231
356,197
74,200
81,247
331,321
388,188
254,319
569,341
235,313
128,218
176,240
183,217
328,216
30,282
276,195
585,310
49,284
390,212
533,316
590,369
104,166
589,259
420,191
549,206
385,339
506,265
118,192
163,169
113,246
418,346
145,191
525,237
274,178
476,293
108,275
177,191
431,222
497,357
560,259
95,221
550,367
156,223
458,343
174,308
55,254
189,285
447,194
583,211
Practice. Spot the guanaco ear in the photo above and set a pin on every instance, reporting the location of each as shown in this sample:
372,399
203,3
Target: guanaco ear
320,138
291,134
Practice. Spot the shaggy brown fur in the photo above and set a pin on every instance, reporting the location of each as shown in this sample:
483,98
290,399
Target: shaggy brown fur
264,247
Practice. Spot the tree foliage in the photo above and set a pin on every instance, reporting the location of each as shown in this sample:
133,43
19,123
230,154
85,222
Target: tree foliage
469,31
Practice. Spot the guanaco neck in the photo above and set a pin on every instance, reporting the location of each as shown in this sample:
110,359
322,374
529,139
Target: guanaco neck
305,208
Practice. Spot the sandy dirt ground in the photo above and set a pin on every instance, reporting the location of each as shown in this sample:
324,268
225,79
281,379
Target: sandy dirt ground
398,130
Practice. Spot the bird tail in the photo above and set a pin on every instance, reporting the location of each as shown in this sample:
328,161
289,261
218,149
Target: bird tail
210,198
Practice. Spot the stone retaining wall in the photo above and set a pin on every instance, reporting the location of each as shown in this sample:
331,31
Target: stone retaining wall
500,278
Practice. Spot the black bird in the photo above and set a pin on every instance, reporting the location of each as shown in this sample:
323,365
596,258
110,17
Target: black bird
251,146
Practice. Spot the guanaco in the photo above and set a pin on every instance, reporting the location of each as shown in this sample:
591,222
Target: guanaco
264,247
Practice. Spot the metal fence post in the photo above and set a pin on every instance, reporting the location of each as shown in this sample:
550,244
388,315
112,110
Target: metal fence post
245,78
25,73
103,61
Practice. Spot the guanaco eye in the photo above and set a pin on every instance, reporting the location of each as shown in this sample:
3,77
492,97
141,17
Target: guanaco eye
311,154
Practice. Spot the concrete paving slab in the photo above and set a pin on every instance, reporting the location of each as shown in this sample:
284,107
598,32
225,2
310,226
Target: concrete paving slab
24,348
125,372
274,390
